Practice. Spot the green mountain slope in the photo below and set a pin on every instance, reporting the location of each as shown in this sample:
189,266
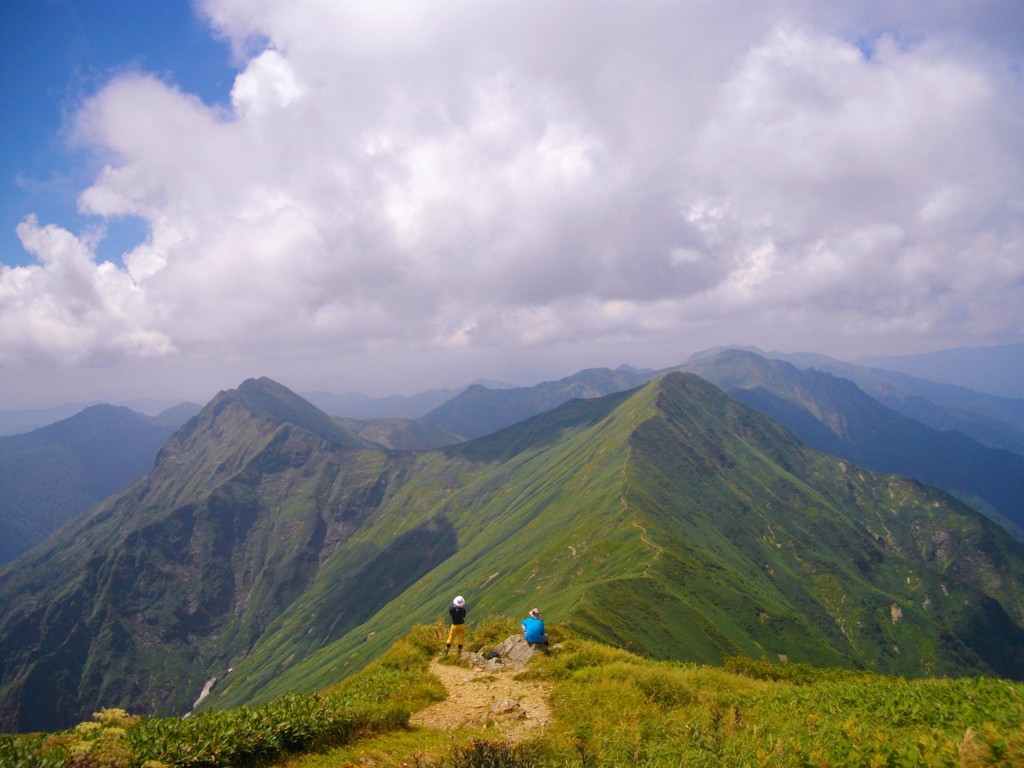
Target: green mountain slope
681,524
670,519
51,474
833,415
136,600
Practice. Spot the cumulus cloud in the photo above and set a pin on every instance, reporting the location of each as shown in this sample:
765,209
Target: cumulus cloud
492,176
70,308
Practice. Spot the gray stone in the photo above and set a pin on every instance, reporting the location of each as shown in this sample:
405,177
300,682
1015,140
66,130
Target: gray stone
508,709
515,652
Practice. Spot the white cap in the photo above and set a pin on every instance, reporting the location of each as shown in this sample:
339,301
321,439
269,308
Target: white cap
459,601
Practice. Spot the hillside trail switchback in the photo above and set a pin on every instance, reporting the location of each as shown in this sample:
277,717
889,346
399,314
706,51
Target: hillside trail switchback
481,698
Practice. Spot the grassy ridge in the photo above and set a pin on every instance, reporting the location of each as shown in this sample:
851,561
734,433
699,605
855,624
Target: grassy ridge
677,523
613,708
520,514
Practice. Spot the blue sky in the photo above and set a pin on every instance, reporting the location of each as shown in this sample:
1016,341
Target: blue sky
392,196
56,53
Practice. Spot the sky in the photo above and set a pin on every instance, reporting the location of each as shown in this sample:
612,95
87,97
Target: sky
393,196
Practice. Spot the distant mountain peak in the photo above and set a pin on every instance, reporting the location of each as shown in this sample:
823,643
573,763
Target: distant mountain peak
626,368
271,401
714,351
246,416
478,410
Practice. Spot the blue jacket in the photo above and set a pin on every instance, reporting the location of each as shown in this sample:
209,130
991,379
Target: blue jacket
533,630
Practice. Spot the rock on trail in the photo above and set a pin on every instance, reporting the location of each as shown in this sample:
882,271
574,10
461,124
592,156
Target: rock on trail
487,695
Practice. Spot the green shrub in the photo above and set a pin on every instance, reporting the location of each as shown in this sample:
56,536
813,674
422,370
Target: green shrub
492,630
797,674
663,689
28,751
577,655
370,702
492,754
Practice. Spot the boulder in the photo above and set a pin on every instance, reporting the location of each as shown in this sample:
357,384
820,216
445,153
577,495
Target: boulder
515,652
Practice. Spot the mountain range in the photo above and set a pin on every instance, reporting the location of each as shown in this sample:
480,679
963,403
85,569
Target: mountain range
51,474
479,410
995,421
967,443
994,370
284,544
834,415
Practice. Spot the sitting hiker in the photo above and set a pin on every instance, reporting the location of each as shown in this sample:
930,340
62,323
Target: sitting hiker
533,631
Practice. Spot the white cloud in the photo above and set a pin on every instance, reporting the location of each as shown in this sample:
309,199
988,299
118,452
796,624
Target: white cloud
267,83
868,181
477,175
69,307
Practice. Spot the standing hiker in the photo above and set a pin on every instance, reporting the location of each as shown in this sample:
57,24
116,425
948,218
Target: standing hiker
457,634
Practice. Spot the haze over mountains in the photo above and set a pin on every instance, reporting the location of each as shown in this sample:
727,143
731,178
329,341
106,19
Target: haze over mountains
992,370
292,546
51,474
20,421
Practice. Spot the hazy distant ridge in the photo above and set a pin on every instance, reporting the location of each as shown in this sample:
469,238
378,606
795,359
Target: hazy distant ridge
993,370
49,475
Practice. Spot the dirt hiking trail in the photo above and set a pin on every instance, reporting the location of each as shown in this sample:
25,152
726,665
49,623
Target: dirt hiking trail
482,698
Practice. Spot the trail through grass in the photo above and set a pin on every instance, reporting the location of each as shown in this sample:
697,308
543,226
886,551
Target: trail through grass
500,701
607,708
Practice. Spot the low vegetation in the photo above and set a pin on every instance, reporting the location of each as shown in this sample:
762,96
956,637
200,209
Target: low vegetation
378,700
616,709
612,708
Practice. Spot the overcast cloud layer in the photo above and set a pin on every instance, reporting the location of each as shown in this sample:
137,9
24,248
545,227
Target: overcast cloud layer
409,194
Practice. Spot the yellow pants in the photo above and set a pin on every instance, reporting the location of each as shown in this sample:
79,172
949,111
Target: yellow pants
457,634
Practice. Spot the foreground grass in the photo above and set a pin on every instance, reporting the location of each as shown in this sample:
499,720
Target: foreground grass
616,709
612,708
377,700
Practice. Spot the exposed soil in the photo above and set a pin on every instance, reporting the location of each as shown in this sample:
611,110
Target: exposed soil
478,698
